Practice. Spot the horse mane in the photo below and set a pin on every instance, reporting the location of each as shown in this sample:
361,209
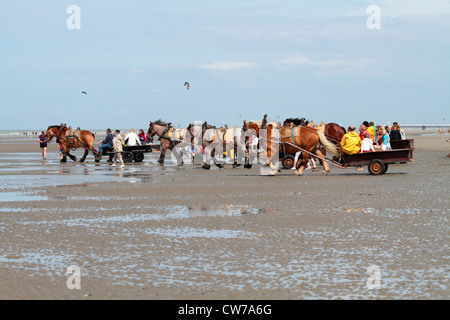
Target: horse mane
297,121
54,126
161,123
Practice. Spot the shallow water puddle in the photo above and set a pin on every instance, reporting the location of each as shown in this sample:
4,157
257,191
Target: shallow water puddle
187,232
19,196
218,210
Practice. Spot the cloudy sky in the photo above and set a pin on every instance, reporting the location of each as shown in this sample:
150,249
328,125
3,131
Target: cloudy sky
287,58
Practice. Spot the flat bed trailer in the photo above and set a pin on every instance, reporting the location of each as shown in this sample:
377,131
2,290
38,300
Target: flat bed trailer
379,161
133,153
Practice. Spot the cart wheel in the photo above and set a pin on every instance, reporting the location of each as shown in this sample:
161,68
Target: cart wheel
127,156
376,167
138,157
288,162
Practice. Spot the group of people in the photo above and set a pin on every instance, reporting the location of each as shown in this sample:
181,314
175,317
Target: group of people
370,138
133,139
115,141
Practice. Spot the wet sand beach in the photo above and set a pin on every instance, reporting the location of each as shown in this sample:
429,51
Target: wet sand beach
167,232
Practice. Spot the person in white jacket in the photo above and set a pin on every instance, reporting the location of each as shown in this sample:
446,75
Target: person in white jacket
132,138
367,144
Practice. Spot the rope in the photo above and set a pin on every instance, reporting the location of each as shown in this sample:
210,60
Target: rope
303,150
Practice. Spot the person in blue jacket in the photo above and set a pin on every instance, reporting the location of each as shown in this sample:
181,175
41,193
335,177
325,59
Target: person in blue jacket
108,142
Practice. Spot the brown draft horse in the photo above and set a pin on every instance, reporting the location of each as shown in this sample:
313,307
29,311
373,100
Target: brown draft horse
253,127
250,128
212,140
306,138
234,142
333,131
167,139
85,140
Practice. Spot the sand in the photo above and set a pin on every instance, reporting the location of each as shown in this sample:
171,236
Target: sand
166,233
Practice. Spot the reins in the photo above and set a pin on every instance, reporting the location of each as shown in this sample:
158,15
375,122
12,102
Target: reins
310,153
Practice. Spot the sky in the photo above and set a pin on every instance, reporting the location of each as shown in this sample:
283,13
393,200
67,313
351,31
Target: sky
332,61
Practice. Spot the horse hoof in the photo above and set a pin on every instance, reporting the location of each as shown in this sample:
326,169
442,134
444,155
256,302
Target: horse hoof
206,166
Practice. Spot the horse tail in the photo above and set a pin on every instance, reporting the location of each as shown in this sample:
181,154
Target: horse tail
329,147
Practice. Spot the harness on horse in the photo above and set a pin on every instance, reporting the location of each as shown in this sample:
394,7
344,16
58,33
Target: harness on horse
61,128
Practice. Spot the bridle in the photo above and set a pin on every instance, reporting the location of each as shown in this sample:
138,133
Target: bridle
61,128
151,129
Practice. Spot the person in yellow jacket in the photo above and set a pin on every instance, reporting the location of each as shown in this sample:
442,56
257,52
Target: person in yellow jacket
351,142
370,128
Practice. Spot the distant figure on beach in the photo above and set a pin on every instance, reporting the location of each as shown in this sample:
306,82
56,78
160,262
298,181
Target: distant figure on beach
43,144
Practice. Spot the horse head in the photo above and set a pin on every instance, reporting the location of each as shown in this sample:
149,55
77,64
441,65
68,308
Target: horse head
53,131
151,130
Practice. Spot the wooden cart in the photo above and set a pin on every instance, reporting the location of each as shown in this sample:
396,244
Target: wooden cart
379,161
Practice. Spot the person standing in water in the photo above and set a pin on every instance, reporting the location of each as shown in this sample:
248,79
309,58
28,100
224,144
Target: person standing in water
43,144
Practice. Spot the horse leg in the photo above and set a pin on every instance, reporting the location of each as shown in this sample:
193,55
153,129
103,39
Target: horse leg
207,164
326,168
95,152
72,157
162,154
177,155
84,155
217,162
305,159
161,157
275,168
